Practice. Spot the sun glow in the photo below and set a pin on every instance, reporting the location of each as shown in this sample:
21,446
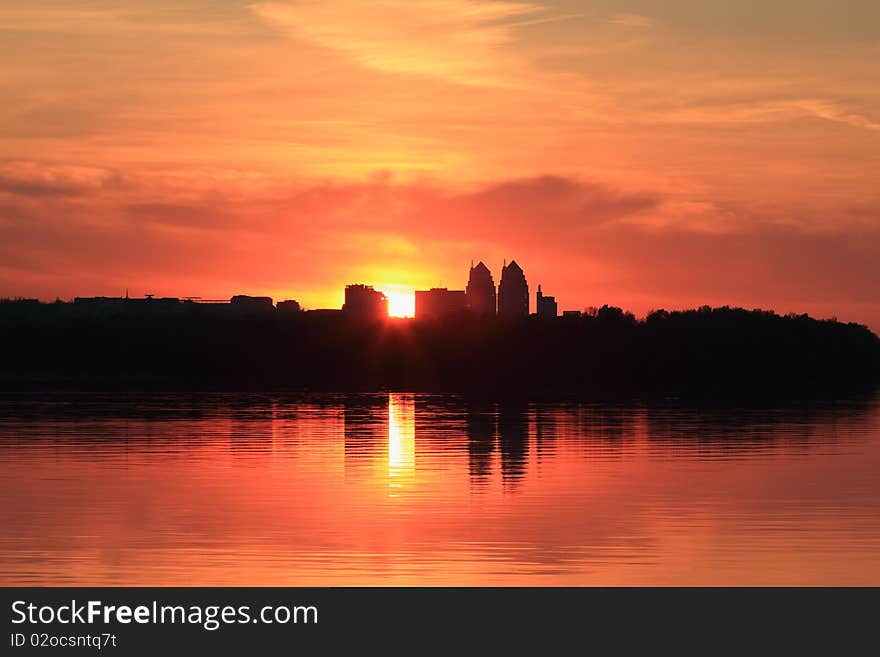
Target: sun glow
401,301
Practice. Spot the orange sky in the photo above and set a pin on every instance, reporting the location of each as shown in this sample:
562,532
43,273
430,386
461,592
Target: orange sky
642,153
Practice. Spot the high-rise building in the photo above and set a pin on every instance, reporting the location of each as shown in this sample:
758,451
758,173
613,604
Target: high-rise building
439,301
364,301
545,306
480,292
513,292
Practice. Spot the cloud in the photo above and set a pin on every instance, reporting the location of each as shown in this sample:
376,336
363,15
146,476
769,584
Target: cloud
836,112
770,111
633,21
588,241
551,210
35,180
78,17
461,40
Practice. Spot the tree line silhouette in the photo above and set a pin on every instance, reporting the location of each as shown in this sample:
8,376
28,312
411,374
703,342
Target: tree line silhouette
607,351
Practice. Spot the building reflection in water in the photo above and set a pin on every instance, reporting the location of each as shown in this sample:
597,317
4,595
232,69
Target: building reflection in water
163,491
480,420
384,433
366,431
546,422
250,423
513,440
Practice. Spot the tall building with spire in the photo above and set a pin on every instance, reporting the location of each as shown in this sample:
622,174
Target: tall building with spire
480,291
513,292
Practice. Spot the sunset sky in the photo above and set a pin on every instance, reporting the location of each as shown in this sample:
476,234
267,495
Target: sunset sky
640,153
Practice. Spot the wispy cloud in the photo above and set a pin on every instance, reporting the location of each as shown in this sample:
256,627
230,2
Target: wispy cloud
36,180
159,16
757,111
633,21
832,111
462,40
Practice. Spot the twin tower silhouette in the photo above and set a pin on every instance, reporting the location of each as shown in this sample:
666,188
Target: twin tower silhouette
479,297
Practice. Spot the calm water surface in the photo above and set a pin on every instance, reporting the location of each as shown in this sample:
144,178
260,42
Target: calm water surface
425,489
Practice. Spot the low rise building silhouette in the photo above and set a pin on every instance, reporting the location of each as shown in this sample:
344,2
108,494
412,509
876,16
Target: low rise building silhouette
513,292
242,301
323,312
480,292
439,302
545,306
364,301
148,299
147,305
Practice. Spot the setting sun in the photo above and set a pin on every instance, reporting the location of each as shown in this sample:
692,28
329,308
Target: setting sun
401,302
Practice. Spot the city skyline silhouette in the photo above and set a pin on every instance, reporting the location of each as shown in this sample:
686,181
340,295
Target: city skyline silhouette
480,297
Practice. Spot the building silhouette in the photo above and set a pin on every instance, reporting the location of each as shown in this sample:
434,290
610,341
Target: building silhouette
324,312
545,306
480,292
147,300
513,292
438,302
364,301
111,306
252,303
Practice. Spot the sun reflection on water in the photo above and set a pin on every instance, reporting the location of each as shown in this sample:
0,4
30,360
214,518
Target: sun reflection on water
401,440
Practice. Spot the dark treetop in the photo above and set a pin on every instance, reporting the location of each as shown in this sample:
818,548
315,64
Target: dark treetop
704,351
